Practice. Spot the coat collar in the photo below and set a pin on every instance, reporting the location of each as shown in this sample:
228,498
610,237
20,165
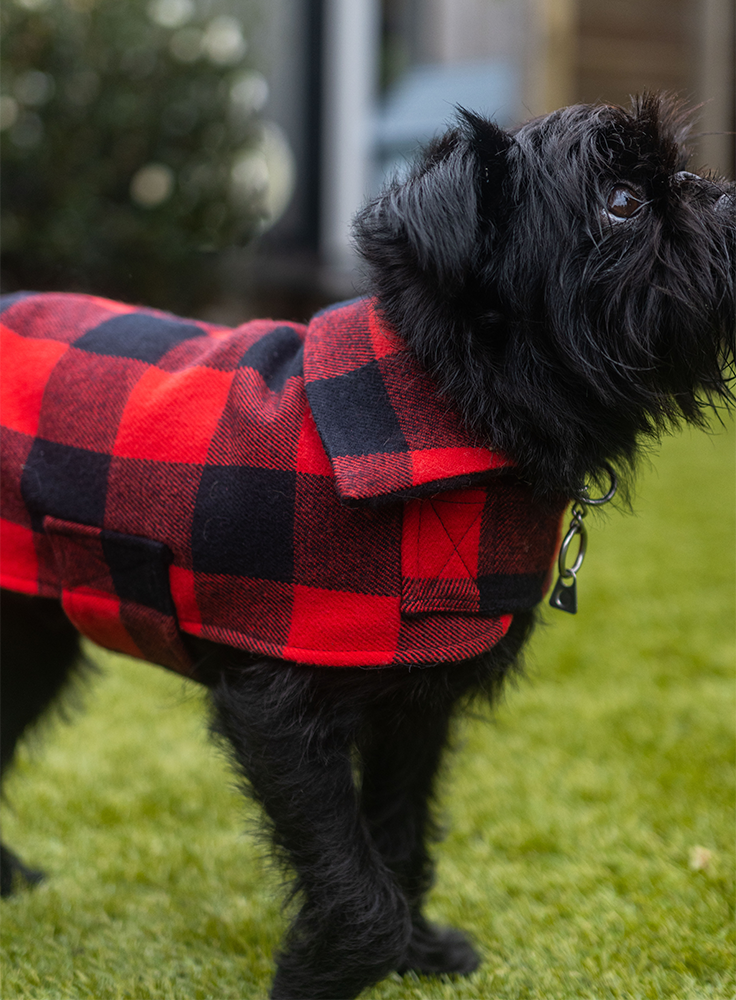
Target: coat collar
385,426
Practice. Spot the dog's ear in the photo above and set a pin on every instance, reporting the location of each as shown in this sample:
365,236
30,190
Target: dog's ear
431,221
490,144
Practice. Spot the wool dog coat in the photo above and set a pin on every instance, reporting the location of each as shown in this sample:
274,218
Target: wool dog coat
301,492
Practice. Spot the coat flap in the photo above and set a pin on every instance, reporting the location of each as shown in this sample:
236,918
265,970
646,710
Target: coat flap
383,423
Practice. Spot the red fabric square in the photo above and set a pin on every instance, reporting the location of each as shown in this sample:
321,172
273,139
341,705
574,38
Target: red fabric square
311,456
171,417
18,560
183,594
28,363
384,340
442,463
334,627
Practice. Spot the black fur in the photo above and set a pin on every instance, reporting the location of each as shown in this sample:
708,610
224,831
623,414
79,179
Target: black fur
567,336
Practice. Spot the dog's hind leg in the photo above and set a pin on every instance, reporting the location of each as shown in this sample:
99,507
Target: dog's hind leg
293,737
401,753
38,648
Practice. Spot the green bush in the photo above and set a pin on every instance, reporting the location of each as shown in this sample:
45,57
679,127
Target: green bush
128,128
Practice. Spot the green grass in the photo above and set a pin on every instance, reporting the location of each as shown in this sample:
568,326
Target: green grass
573,814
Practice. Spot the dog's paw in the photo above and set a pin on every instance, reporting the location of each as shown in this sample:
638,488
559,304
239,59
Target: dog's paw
14,874
437,951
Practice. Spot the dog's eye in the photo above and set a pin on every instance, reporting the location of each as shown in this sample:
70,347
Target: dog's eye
623,203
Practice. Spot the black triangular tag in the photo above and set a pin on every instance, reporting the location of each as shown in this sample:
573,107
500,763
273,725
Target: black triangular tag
564,597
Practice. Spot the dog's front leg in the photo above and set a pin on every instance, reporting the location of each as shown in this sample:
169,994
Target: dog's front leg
401,752
293,741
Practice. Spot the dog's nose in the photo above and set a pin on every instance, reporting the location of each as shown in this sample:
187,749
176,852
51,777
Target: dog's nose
703,187
685,175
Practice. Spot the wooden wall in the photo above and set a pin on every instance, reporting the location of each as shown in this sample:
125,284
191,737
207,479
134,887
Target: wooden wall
632,45
684,46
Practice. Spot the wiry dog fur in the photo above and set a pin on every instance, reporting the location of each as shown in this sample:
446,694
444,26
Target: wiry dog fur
572,288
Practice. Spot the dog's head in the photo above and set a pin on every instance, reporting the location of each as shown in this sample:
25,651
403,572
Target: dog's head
570,283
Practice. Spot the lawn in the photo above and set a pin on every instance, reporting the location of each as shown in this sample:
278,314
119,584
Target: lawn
591,843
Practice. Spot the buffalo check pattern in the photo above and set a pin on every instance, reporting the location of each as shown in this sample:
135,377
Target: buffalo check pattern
297,491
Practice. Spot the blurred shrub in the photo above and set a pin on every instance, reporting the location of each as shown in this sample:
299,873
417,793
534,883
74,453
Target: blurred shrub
130,146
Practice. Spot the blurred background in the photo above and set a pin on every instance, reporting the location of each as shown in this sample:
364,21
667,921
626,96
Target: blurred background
206,156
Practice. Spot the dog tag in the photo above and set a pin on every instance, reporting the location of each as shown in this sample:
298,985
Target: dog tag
564,597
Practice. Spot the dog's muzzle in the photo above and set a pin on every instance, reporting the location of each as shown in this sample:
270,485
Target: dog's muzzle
723,201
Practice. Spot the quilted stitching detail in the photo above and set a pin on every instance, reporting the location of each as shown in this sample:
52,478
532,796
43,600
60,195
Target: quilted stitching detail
441,542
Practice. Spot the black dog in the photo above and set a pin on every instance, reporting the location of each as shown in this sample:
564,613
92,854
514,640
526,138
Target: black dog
571,288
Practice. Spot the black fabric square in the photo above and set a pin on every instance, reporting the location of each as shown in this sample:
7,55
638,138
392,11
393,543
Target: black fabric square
276,357
354,413
65,482
139,570
504,592
138,336
244,522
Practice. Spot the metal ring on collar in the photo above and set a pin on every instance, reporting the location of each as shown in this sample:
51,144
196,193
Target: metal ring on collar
599,501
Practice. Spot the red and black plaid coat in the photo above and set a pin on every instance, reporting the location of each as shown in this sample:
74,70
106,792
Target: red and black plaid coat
302,492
